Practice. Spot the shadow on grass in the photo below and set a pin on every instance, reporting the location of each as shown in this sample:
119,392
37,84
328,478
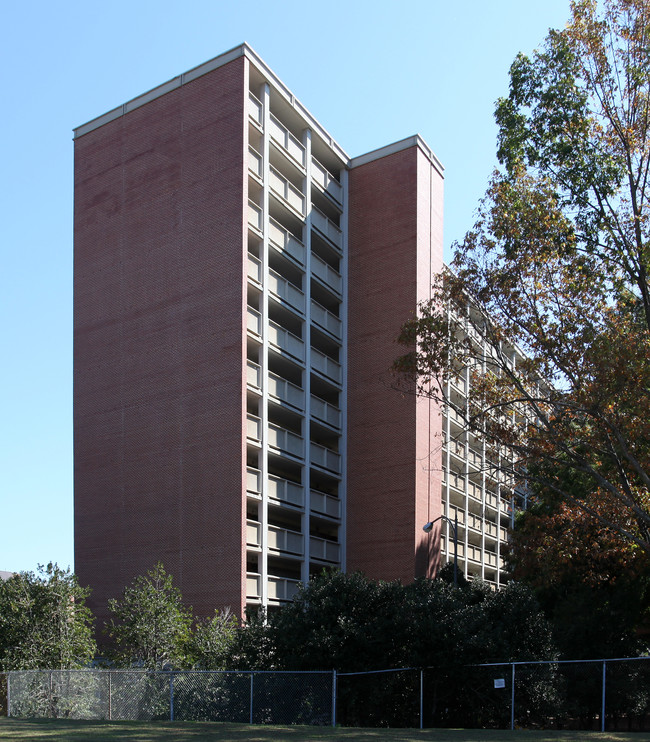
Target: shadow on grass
62,730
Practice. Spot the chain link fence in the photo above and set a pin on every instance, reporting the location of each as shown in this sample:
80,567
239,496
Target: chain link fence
245,697
599,695
605,695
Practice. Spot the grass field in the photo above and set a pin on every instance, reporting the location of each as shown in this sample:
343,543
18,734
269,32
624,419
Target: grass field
44,730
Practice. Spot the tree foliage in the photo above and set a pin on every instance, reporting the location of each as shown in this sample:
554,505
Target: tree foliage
351,623
556,266
44,622
150,626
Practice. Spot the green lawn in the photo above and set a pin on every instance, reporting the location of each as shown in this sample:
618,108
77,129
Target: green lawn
44,730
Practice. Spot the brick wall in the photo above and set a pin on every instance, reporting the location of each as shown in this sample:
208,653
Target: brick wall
395,243
160,343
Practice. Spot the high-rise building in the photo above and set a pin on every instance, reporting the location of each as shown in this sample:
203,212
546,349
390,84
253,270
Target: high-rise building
240,283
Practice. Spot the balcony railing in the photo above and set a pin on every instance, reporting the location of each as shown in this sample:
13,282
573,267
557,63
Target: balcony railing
254,268
255,216
284,540
286,341
330,277
254,321
325,504
286,291
253,586
286,392
253,375
326,182
325,457
290,145
325,411
325,319
327,227
326,365
285,242
253,481
286,191
255,163
324,549
253,428
253,533
255,109
281,588
286,441
285,491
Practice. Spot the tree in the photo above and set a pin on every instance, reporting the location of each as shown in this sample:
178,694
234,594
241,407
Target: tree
150,625
44,621
556,266
211,641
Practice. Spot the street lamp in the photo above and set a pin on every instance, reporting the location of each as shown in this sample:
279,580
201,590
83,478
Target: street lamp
428,527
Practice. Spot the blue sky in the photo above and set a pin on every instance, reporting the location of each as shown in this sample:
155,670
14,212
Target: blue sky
372,72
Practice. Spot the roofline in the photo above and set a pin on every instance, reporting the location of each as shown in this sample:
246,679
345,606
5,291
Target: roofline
243,50
390,149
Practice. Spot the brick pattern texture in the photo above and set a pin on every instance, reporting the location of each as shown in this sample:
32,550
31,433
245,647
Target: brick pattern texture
394,440
159,344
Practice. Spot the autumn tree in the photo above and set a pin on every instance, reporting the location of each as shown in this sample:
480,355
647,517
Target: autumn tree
553,276
44,621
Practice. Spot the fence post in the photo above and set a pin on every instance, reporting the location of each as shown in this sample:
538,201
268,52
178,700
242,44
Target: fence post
602,708
171,696
421,699
251,702
110,695
8,694
333,698
512,699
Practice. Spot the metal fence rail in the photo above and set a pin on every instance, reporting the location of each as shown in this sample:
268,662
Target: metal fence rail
252,697
606,695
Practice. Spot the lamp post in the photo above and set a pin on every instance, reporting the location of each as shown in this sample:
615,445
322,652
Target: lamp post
428,527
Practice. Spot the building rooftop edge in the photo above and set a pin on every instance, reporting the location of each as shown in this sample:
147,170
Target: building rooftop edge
242,50
390,149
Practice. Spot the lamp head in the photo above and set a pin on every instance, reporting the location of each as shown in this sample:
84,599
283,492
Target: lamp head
428,527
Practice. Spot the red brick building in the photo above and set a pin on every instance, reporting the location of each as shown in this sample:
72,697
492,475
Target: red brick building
239,285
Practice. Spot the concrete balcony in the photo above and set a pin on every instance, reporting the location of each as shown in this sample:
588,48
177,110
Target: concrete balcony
253,586
285,242
326,182
255,110
286,291
284,541
255,164
255,217
327,228
253,376
282,589
287,192
254,322
253,428
326,274
324,457
286,392
326,366
324,504
286,342
254,269
284,491
325,412
326,320
253,534
285,441
287,143
253,481
324,550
